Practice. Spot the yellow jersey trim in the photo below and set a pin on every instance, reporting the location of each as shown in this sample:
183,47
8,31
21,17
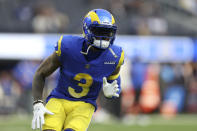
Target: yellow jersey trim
59,46
121,59
113,77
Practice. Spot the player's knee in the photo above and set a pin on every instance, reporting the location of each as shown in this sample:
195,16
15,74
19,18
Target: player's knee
69,129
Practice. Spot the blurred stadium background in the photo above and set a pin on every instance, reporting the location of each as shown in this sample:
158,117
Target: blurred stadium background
159,76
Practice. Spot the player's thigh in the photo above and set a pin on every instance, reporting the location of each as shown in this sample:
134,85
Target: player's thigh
79,119
55,121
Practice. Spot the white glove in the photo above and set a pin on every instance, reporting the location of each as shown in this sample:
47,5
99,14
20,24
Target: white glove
110,90
38,118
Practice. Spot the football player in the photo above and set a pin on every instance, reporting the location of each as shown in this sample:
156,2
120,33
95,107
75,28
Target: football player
86,65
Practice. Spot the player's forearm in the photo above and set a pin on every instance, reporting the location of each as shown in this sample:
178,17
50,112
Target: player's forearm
46,68
37,86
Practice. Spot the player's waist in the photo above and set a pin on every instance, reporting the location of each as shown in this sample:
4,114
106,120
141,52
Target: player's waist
56,94
64,93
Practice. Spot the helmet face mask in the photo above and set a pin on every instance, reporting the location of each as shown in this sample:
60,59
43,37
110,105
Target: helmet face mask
99,28
102,31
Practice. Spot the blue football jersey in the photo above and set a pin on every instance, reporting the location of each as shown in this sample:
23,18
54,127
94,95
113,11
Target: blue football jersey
79,79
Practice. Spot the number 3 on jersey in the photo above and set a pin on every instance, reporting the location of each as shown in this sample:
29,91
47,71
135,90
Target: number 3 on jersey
85,86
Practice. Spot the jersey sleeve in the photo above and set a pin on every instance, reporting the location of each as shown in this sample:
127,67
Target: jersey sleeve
120,62
62,46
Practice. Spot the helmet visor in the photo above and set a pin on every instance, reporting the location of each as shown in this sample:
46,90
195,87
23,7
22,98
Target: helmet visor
103,31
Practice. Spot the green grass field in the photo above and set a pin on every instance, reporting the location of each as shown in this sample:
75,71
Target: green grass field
156,123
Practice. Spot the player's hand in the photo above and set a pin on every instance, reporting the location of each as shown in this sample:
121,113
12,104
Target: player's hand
110,89
38,118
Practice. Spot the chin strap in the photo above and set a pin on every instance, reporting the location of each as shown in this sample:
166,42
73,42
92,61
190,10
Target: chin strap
85,53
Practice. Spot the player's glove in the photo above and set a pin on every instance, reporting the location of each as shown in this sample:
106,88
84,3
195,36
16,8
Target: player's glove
38,118
110,89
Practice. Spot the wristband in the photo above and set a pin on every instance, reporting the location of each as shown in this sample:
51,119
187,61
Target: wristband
38,101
